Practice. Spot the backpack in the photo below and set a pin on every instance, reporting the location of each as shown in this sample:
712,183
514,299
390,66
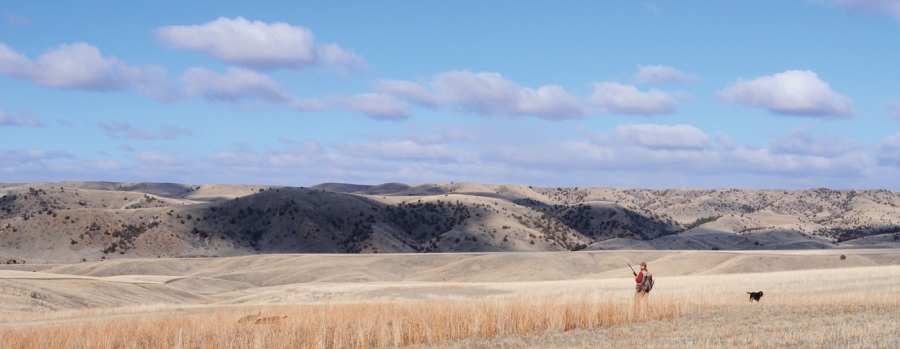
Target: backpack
648,282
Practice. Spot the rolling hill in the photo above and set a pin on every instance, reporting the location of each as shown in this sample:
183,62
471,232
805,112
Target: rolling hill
89,221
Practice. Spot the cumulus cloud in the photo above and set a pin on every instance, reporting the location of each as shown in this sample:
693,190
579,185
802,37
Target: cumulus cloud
257,44
488,94
794,92
376,106
801,141
626,99
81,66
492,94
885,7
25,118
117,129
650,74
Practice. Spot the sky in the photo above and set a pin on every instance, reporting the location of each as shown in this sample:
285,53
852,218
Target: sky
755,94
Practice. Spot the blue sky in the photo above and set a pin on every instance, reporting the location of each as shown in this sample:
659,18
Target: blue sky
656,94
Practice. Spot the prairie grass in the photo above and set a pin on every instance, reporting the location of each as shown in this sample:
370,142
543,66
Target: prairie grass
362,325
847,321
854,307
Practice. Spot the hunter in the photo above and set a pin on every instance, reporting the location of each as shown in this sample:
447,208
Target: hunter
644,282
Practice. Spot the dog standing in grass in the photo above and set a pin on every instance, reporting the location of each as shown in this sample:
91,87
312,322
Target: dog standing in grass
755,296
642,289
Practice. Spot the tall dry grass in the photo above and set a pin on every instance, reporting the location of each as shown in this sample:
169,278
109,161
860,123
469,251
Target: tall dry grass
818,308
361,325
853,320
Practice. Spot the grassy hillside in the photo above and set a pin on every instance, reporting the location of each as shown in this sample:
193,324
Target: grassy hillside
75,221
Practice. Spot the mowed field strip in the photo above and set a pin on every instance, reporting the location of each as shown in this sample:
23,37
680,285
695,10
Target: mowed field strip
458,300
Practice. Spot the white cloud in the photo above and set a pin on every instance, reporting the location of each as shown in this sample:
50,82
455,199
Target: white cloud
234,85
492,94
894,110
159,159
649,74
81,66
26,118
794,92
116,129
886,7
801,141
126,147
376,106
488,94
626,99
258,44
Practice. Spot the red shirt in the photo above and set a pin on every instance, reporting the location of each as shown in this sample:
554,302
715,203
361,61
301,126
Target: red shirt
640,276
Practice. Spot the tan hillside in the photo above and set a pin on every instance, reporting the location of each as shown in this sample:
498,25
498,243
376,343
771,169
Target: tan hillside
89,221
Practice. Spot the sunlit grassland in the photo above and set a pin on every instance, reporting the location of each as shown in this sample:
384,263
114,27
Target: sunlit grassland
853,307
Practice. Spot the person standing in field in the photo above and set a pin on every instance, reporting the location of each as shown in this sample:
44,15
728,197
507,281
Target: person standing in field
642,289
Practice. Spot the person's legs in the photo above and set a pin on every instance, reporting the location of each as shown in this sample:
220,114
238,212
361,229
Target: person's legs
639,310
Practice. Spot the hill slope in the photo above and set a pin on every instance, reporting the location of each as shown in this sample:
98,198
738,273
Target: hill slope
75,221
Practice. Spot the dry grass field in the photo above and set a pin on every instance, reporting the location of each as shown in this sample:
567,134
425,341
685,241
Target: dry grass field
699,300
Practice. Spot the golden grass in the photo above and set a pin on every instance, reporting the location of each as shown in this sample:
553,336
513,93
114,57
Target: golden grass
361,325
819,308
846,321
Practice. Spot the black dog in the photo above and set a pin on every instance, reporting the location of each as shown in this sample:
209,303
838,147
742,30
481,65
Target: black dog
755,295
